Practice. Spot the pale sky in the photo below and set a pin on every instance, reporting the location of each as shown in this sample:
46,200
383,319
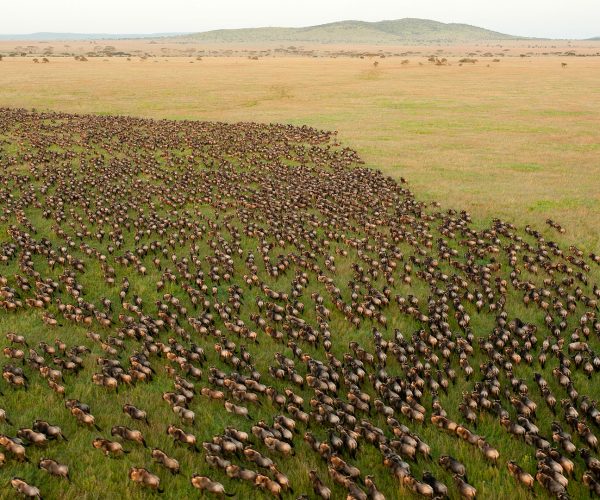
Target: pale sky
539,18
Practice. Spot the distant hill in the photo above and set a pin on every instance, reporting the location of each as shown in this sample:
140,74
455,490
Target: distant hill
47,36
405,31
595,39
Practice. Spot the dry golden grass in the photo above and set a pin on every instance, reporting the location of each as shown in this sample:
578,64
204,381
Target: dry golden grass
517,139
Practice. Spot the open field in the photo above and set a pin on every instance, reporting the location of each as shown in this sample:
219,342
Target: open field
516,139
146,262
160,237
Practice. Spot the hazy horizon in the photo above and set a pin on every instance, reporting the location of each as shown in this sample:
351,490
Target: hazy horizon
576,19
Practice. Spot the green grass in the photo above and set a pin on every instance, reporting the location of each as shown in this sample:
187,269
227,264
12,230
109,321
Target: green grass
95,476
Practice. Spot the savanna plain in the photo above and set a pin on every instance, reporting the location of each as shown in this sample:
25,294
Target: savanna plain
417,289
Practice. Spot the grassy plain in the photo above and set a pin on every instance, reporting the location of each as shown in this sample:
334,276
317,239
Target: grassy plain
96,477
517,138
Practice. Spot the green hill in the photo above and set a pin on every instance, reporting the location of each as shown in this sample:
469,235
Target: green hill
382,32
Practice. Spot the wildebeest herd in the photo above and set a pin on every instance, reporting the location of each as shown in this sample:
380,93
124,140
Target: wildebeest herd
245,308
